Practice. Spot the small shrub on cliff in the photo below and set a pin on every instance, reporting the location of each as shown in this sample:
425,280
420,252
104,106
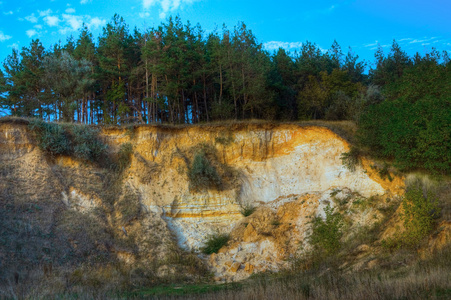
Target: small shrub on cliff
86,143
51,137
215,242
79,141
351,159
326,234
247,210
124,156
224,140
202,174
420,210
384,173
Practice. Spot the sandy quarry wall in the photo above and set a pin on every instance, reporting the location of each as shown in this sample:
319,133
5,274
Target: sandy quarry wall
288,172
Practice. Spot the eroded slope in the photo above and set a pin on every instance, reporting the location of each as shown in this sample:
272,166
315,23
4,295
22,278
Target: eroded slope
138,215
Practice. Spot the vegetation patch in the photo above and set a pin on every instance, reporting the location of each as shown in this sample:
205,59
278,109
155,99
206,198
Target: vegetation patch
215,242
326,234
79,141
224,140
202,174
351,159
205,170
124,156
186,289
420,211
247,210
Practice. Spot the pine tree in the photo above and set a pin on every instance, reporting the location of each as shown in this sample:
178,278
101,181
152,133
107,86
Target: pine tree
68,80
85,49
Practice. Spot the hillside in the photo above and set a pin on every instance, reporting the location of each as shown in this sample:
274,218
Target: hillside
119,208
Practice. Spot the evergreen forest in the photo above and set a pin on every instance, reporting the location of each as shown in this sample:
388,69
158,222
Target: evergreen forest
177,73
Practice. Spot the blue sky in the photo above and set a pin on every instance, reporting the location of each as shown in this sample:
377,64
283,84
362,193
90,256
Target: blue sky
361,24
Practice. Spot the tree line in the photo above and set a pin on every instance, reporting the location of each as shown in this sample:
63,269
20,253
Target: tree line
176,73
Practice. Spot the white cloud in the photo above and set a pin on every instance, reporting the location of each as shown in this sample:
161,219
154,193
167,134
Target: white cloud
64,22
43,13
31,32
275,45
95,23
84,1
371,44
425,39
4,37
31,18
73,22
165,5
8,12
148,3
51,20
14,46
144,15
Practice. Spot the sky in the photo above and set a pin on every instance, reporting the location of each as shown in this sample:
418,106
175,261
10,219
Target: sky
360,24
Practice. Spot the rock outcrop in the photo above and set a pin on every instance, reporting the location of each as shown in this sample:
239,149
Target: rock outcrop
288,173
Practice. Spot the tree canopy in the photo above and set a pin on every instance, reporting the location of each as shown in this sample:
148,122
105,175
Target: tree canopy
176,73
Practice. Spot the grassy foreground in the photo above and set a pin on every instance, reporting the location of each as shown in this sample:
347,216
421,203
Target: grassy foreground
394,279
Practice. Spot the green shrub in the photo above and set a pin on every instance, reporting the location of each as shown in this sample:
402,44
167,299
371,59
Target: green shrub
52,138
87,145
326,234
79,141
420,212
202,174
124,155
247,210
275,222
214,243
415,135
224,140
351,159
385,173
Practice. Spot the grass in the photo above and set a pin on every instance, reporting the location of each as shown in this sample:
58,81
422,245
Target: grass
344,129
428,279
184,290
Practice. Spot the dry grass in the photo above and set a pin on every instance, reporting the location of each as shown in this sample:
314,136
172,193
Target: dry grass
345,129
429,279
